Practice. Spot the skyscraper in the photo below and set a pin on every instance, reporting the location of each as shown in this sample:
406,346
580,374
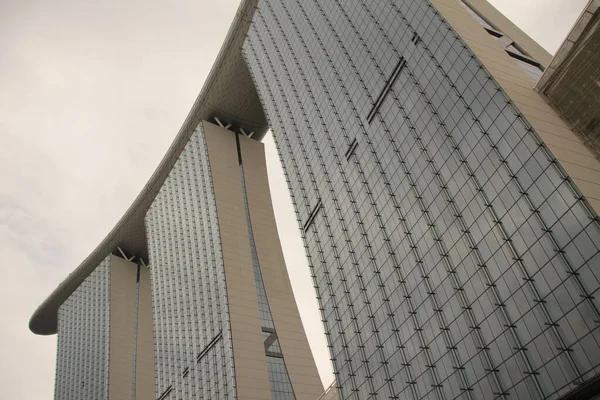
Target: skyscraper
224,321
449,213
105,335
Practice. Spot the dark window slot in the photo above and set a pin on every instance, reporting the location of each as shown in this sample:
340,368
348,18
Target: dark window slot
209,346
311,216
525,59
386,89
493,32
351,149
415,38
166,393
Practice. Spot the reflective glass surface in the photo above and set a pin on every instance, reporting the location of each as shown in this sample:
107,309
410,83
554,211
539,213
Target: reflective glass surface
83,330
191,325
452,256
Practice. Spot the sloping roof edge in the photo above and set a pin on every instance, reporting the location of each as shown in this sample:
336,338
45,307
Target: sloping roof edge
228,93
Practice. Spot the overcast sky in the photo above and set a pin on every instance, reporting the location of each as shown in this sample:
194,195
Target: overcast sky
91,95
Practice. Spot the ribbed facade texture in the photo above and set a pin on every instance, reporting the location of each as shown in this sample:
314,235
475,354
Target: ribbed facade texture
216,336
82,363
452,255
191,324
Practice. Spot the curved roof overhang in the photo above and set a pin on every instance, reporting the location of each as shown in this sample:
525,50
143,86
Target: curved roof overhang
228,93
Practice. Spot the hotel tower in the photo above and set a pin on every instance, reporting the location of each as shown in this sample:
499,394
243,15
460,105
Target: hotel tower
445,176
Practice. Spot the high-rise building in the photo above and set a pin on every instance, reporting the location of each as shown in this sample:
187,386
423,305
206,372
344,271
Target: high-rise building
105,335
224,321
449,213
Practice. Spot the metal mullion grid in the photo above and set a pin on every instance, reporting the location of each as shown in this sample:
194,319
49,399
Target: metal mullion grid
447,335
168,205
211,219
402,280
303,191
465,305
361,345
497,168
531,283
465,229
198,238
361,173
542,223
290,151
410,236
179,326
196,227
186,227
207,318
423,93
545,228
344,179
472,245
507,237
287,106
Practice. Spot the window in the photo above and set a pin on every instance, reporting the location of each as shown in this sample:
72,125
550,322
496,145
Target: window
386,89
531,67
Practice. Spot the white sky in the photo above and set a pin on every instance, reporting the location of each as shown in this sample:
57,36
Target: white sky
91,95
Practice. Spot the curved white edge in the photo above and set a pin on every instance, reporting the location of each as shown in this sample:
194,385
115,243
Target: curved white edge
228,93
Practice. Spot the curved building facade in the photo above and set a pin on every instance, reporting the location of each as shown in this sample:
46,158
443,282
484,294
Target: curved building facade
449,216
447,210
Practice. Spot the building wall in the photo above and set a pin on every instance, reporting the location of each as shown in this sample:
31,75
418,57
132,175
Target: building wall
251,376
131,367
272,356
97,336
579,162
144,377
451,255
122,327
193,351
498,19
284,311
82,363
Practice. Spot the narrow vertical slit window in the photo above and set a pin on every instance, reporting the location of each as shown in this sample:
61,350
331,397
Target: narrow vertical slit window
351,149
386,89
166,393
311,216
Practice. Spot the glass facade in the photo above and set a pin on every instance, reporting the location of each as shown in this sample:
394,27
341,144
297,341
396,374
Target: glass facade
83,324
452,256
193,352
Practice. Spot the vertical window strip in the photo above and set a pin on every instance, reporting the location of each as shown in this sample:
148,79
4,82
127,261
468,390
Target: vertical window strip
386,89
